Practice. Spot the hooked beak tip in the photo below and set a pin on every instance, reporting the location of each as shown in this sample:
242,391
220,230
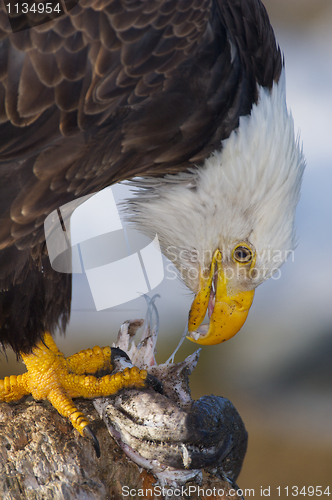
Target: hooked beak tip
226,320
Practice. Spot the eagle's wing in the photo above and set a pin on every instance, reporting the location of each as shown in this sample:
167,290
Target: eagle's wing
118,88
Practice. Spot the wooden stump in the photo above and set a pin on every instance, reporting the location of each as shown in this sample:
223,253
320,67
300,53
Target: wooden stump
43,458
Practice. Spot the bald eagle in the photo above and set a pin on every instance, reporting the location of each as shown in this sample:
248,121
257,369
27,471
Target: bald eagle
186,97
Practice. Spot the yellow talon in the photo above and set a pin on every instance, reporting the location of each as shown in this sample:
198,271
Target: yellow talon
58,379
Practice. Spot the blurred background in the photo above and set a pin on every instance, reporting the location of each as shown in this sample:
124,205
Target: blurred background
278,370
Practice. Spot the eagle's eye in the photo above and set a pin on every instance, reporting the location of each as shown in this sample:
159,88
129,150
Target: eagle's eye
242,254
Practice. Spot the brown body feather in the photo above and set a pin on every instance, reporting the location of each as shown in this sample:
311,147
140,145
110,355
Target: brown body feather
111,90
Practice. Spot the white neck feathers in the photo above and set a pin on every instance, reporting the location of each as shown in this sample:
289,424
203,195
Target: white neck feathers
246,191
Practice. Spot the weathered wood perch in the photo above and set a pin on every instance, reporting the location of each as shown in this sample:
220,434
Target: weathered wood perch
43,458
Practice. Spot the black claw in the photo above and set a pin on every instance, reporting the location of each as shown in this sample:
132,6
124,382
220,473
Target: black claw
116,352
90,435
154,383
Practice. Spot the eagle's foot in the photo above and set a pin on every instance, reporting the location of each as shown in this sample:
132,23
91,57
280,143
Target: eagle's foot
58,379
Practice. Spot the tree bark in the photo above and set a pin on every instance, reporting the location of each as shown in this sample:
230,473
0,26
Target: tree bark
43,458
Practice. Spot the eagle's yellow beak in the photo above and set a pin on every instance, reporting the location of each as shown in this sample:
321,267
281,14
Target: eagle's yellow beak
228,313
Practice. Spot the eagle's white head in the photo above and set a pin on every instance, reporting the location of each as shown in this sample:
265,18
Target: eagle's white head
229,225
